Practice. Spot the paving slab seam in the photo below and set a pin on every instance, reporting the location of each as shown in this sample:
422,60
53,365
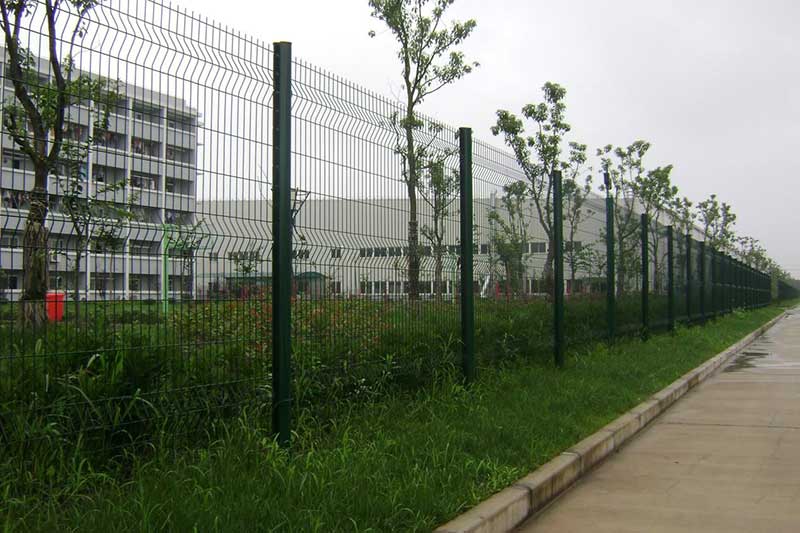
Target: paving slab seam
508,508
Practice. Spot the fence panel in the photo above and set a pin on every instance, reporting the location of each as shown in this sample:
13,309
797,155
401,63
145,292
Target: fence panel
160,241
585,265
659,284
512,260
159,228
359,323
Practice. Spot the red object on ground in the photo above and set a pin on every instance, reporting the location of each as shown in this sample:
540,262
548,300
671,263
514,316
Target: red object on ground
55,306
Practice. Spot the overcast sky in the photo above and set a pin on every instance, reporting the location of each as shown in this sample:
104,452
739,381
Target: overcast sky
712,84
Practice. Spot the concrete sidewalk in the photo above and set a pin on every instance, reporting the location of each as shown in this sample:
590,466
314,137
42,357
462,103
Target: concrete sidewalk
726,457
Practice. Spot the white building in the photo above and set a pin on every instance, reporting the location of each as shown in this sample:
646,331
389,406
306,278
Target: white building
357,247
151,145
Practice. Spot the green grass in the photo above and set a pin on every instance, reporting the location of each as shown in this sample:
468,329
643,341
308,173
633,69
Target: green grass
405,463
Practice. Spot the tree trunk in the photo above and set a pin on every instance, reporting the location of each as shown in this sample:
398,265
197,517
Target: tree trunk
547,271
413,225
36,278
437,274
77,275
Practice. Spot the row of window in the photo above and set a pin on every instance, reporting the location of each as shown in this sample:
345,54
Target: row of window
484,249
400,287
395,251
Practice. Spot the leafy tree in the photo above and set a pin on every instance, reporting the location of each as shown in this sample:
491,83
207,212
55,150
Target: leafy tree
751,252
655,193
94,218
509,235
36,120
184,240
246,262
624,166
439,190
683,217
575,210
93,215
682,214
718,220
430,61
539,155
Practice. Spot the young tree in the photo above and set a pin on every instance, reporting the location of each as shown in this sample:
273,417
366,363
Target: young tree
430,61
754,254
718,220
656,194
539,155
184,240
623,173
575,210
94,216
36,120
509,235
439,190
683,217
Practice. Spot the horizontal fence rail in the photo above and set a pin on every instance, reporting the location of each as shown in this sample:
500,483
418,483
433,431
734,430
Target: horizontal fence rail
235,227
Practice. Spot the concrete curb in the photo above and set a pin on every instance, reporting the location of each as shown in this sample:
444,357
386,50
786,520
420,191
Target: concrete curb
510,507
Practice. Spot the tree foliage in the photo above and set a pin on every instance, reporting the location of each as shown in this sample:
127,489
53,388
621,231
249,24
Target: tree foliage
509,235
36,119
430,60
718,221
540,154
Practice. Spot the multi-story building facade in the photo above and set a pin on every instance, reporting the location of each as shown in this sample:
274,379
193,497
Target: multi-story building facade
149,150
356,247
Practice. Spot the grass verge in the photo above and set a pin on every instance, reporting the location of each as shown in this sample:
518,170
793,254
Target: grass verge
408,463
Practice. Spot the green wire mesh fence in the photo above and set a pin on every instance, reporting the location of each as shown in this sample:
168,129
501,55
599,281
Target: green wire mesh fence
228,226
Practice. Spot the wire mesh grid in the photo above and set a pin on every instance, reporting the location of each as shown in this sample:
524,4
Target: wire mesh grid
585,265
375,240
512,258
158,225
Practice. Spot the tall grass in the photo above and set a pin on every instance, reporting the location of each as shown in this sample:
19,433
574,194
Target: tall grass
404,462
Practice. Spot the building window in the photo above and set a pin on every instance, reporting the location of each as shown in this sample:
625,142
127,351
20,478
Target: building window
365,252
301,254
9,241
484,249
134,283
336,253
380,252
8,283
538,247
568,246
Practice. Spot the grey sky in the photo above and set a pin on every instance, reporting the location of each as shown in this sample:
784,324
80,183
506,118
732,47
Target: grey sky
712,84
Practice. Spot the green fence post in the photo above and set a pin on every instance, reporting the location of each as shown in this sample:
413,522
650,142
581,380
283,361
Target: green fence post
729,283
746,271
737,280
282,243
645,278
670,280
702,273
611,294
467,292
712,302
558,270
688,288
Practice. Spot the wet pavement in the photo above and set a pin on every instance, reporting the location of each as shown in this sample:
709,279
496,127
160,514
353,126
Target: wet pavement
724,458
